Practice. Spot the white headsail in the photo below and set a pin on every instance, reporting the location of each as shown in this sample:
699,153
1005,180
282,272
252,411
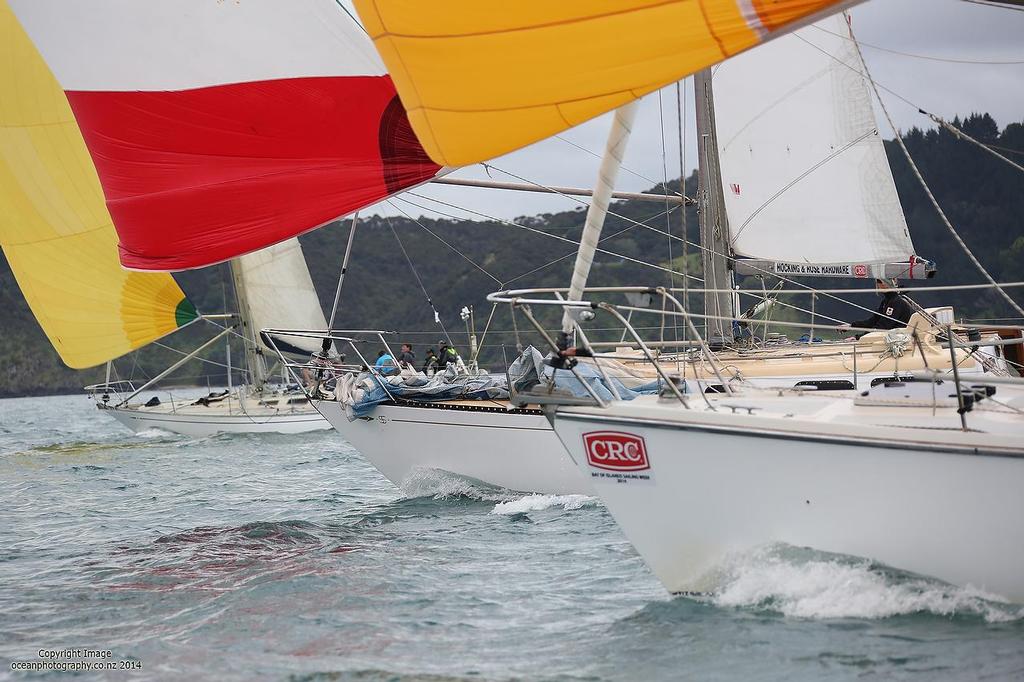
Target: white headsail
804,172
279,293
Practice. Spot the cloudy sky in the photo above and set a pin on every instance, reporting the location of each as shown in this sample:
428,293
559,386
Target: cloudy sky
943,29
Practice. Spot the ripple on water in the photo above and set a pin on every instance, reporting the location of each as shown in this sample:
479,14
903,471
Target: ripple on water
281,557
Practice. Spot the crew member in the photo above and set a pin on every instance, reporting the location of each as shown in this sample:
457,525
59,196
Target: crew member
430,363
446,355
407,358
893,312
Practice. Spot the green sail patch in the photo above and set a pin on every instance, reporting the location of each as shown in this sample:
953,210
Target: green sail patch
185,312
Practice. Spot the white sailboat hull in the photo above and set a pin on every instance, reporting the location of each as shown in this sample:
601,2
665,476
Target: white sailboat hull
490,444
719,484
513,450
198,424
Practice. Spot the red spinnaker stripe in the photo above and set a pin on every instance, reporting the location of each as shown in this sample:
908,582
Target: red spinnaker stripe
195,177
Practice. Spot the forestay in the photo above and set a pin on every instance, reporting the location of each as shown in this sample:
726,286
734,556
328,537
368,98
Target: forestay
279,294
804,172
54,228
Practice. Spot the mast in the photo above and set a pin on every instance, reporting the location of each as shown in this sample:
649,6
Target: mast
714,225
253,355
615,149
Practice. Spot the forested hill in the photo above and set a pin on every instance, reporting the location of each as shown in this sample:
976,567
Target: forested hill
458,262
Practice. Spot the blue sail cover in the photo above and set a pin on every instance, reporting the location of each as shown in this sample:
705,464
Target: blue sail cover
366,391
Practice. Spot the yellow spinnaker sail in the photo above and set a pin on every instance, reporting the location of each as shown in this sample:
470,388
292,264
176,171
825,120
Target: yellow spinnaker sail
480,78
54,226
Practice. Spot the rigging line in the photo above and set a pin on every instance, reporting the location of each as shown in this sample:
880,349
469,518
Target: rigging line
233,332
856,71
354,20
995,4
938,120
487,327
572,253
793,306
584,203
964,136
680,112
922,56
849,145
1007,149
875,85
529,229
653,182
805,287
438,238
437,316
664,184
926,289
993,319
200,359
928,191
700,247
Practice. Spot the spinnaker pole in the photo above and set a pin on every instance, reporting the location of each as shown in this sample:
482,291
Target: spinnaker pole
611,162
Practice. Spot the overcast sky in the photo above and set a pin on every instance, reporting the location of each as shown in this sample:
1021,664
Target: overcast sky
948,29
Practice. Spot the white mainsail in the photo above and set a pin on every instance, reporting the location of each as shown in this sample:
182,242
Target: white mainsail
804,172
279,293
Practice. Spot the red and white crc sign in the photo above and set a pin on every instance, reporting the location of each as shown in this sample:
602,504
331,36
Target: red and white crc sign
615,451
860,271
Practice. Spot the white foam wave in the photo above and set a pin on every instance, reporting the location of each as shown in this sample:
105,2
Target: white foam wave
443,485
155,432
841,588
540,502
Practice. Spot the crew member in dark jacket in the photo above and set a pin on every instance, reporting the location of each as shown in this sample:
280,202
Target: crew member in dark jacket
446,355
407,358
893,312
430,364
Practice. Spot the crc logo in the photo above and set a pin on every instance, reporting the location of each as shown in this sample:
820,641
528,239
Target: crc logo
860,271
615,451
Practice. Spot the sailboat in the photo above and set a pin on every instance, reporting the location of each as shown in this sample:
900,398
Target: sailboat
921,474
803,183
55,231
58,227
273,287
58,238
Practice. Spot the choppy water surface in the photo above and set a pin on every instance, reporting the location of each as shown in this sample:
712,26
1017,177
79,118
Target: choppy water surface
289,557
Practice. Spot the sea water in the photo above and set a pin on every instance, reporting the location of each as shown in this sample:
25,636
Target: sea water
289,557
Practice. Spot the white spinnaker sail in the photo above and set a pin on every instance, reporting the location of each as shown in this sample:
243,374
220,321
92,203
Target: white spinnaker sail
804,171
279,293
